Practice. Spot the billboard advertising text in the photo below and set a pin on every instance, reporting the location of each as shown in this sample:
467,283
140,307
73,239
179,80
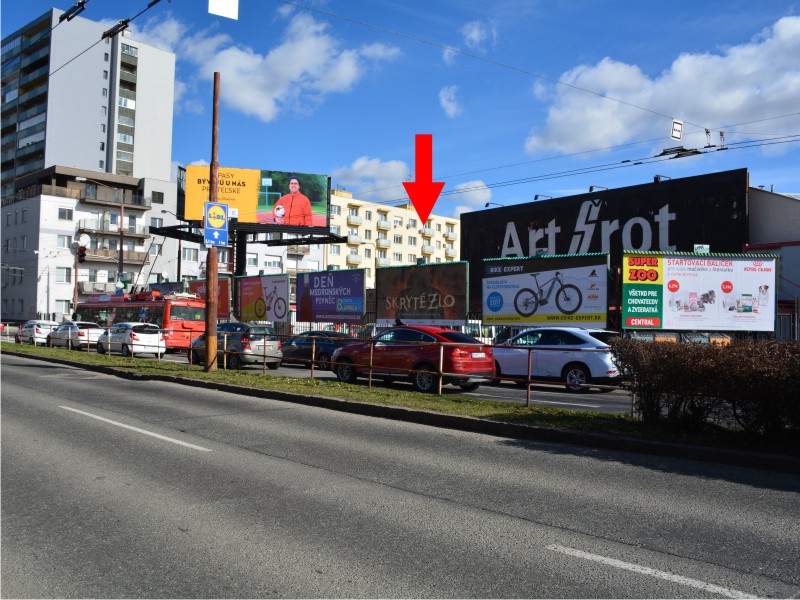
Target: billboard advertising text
558,290
689,292
423,294
264,298
330,297
279,198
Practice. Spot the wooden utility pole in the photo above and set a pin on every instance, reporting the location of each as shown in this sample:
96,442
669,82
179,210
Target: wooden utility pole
212,275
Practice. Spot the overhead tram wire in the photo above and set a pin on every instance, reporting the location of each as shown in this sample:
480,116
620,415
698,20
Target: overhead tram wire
120,26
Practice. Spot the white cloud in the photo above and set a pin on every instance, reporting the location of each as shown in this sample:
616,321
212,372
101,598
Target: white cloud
752,81
305,66
373,178
449,56
479,35
470,195
449,102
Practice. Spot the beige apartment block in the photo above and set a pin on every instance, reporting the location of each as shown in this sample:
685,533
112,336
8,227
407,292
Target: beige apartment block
379,235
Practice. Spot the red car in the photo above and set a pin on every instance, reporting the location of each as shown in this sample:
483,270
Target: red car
415,352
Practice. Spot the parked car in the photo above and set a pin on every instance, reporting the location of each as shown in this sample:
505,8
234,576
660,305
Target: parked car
413,352
298,349
575,356
130,339
35,331
242,344
75,334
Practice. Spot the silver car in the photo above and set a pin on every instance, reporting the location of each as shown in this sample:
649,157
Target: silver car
241,344
35,331
575,356
75,334
130,339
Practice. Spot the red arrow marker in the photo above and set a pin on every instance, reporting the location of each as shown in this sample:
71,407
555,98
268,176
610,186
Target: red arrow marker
424,192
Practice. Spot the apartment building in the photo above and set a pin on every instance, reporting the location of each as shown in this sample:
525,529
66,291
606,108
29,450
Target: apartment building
86,139
379,235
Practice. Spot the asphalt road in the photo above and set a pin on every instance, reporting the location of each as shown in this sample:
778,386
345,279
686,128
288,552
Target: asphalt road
150,489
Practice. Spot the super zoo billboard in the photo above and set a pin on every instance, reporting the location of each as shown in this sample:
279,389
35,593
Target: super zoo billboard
668,216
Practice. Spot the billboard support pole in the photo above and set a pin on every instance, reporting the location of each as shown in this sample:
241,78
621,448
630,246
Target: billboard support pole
212,262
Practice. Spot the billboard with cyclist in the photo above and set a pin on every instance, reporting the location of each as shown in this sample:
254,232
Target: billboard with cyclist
331,296
546,290
264,298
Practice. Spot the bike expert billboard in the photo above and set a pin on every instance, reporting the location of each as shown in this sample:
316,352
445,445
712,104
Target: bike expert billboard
422,294
331,296
551,290
264,298
683,291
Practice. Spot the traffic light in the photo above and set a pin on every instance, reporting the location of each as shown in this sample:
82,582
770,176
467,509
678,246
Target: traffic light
81,254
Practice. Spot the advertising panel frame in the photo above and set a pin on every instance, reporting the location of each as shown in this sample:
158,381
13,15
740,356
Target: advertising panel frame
569,289
682,291
331,296
264,298
429,294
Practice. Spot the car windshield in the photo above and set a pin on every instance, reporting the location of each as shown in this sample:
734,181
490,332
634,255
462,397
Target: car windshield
267,333
604,336
87,325
145,328
457,336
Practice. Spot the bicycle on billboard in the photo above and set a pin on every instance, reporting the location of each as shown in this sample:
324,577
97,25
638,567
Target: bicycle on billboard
568,297
272,301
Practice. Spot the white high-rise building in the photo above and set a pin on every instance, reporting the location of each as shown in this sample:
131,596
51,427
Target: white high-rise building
86,154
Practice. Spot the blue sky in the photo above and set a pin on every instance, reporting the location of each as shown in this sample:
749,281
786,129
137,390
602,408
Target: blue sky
522,97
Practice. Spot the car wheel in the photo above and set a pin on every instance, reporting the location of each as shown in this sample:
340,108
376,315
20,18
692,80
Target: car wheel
425,380
323,361
497,373
345,371
469,387
234,362
575,377
273,365
16,339
48,341
100,349
126,350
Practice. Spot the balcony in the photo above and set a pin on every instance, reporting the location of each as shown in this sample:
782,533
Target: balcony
354,220
94,287
427,249
355,239
383,243
297,249
104,227
426,231
106,197
383,262
450,253
450,236
354,259
112,256
384,225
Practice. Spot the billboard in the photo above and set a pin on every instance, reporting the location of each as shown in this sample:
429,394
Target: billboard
331,296
264,298
279,198
198,286
552,290
709,292
668,216
422,294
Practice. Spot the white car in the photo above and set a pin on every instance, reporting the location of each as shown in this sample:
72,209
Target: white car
575,356
129,339
75,334
35,331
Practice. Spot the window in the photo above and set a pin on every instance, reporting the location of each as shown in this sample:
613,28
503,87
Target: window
155,249
102,145
93,275
367,235
333,267
63,275
65,214
103,111
381,253
113,218
335,210
353,211
24,215
156,222
412,258
412,241
412,223
156,197
223,256
105,74
397,257
8,218
190,254
272,261
105,55
368,215
367,252
398,239
252,260
101,164
62,306
352,231
125,138
450,228
335,250
105,92
335,229
129,121
439,227
398,221
130,50
102,127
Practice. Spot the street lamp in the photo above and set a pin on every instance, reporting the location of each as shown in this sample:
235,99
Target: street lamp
597,187
121,261
537,196
488,204
164,211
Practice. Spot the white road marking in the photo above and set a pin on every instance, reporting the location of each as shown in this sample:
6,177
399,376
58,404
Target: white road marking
136,429
701,585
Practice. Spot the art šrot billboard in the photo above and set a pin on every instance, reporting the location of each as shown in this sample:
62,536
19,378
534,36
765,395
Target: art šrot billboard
422,294
330,297
668,216
284,199
264,298
554,290
711,292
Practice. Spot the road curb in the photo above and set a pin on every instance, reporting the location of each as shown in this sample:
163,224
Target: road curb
756,460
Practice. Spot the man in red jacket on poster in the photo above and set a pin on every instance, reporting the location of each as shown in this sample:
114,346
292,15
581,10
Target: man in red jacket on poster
294,208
